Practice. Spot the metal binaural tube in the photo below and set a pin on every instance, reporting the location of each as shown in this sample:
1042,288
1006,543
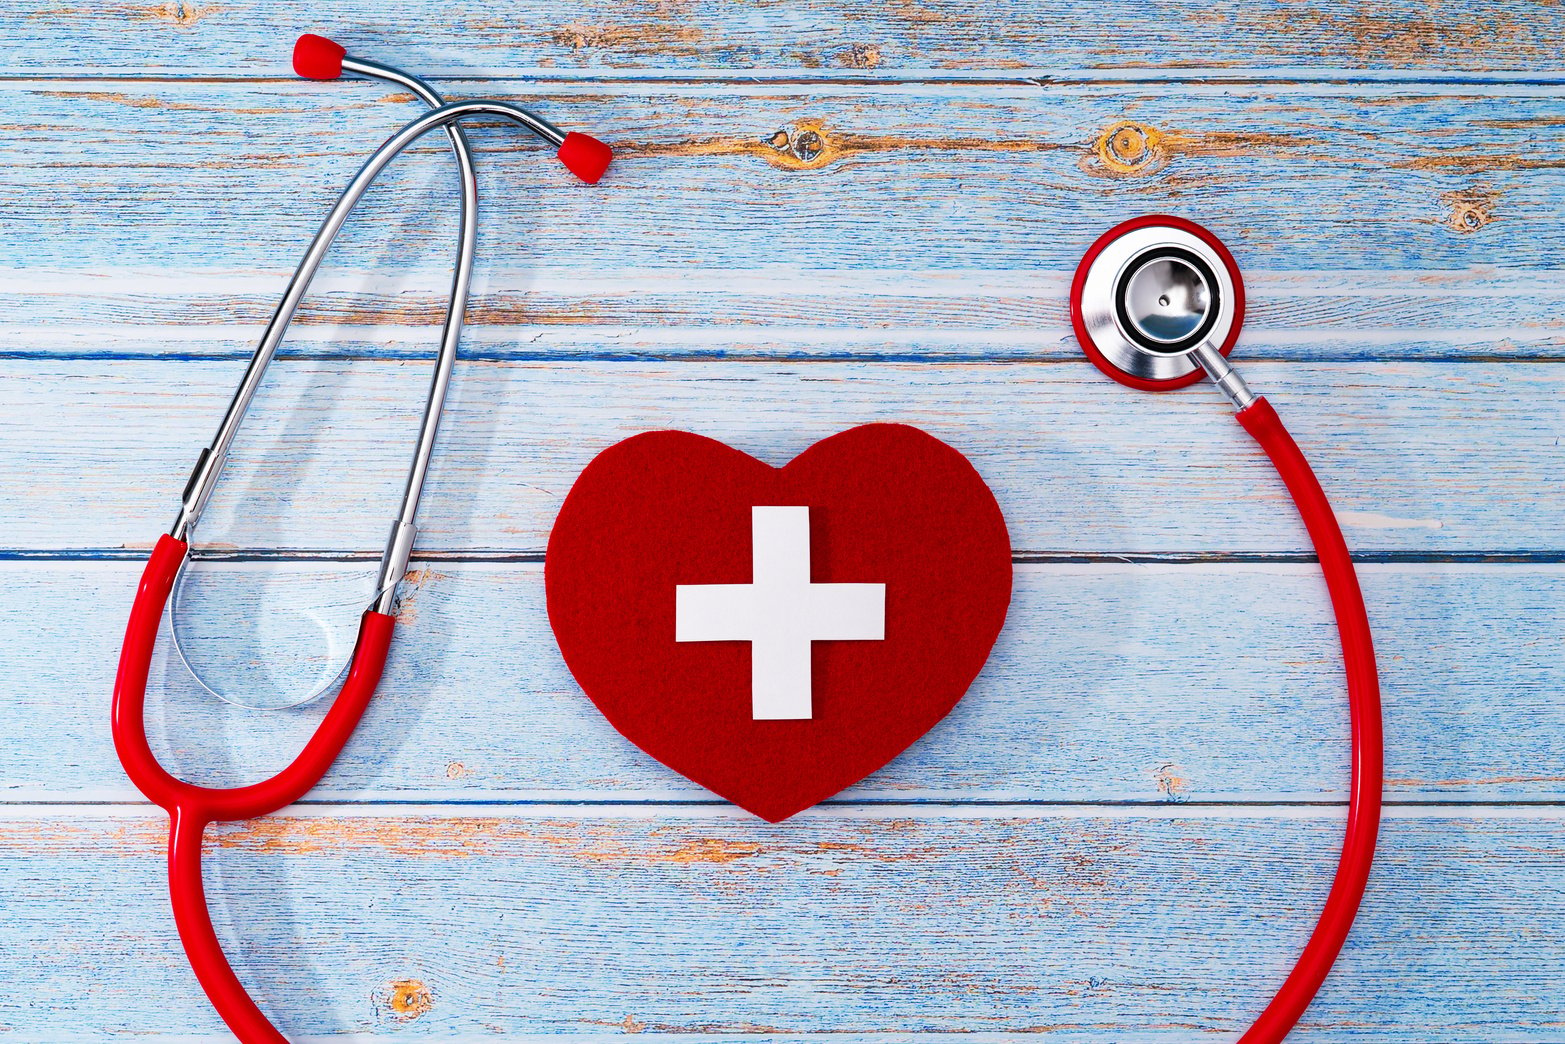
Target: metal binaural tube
393,563
210,463
404,531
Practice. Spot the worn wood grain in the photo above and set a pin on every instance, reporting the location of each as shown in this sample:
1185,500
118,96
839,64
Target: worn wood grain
879,926
817,39
685,313
1150,683
1420,458
193,176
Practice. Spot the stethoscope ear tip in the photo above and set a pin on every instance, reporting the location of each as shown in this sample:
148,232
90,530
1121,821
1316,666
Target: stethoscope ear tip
585,156
317,58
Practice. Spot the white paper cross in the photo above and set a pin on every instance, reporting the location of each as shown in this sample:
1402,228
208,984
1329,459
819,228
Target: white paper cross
780,612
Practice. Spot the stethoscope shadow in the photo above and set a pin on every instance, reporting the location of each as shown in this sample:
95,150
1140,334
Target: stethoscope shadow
1049,702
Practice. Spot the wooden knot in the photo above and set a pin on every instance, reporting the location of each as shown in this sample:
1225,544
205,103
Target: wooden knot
1172,785
860,56
803,147
408,999
1470,211
578,35
1129,149
180,14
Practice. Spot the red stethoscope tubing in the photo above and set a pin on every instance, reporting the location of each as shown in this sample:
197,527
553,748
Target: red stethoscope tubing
1358,657
191,808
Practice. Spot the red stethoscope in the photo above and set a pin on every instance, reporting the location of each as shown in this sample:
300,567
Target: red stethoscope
1156,303
192,808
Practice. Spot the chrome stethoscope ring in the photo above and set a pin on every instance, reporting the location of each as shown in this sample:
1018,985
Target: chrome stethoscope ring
1148,293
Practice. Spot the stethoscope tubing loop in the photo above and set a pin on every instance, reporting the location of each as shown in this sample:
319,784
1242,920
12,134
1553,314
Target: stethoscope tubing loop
213,804
1097,287
191,807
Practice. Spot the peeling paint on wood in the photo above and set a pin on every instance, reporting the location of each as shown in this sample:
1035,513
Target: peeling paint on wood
921,177
716,39
1467,445
982,924
1475,314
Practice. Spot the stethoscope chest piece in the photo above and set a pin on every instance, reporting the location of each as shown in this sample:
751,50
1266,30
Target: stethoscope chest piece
1147,293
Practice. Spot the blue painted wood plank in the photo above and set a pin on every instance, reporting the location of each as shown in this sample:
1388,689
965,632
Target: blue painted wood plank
877,926
118,312
1170,683
1420,458
817,39
192,176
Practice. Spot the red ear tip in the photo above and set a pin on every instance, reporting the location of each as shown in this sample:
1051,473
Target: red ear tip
317,58
585,156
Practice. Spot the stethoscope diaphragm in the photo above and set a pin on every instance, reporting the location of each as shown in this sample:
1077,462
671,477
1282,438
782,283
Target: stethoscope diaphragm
1167,300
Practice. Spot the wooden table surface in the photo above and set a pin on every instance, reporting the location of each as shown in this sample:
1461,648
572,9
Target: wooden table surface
823,212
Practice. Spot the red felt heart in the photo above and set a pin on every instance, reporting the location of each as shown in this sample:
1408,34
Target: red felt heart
887,504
